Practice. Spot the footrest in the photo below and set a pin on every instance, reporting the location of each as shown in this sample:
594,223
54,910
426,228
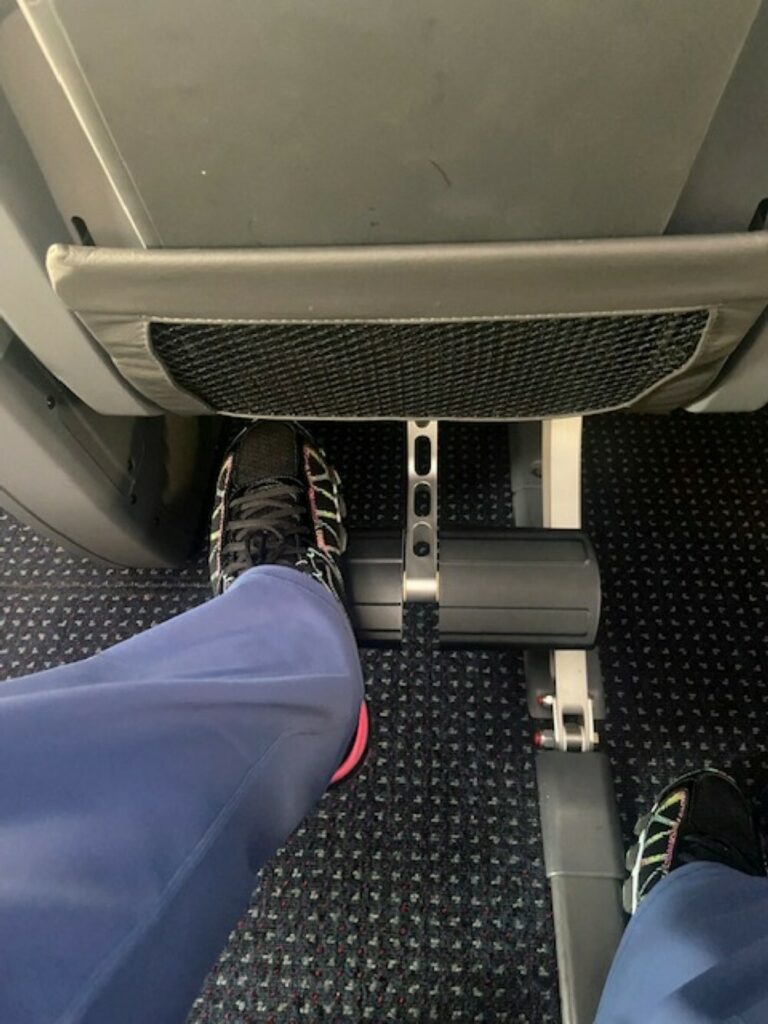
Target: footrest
521,588
374,574
516,588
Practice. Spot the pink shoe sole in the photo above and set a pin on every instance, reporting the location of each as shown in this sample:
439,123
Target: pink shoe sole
357,751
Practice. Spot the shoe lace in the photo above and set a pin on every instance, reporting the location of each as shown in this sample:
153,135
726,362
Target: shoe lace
266,523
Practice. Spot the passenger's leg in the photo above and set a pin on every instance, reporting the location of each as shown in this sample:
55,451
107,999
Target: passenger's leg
142,789
696,949
695,952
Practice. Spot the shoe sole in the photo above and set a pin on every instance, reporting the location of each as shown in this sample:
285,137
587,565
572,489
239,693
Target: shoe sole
357,753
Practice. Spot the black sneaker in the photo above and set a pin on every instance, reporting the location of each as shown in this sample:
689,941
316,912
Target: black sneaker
278,502
703,816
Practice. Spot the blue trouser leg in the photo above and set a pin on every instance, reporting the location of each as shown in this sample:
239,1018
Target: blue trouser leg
696,952
142,788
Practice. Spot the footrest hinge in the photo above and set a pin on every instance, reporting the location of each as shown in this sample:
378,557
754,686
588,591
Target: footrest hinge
573,717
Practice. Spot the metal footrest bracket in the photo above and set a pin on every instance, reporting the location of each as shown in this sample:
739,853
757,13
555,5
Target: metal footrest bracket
573,717
421,580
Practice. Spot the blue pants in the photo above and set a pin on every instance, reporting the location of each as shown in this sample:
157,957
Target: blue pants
141,789
696,952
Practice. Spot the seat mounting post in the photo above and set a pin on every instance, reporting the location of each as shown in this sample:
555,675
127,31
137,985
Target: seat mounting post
573,726
579,818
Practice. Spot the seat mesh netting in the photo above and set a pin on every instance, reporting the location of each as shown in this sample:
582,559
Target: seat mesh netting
512,368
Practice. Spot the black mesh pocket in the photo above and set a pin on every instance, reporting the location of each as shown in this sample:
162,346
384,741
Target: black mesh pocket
490,369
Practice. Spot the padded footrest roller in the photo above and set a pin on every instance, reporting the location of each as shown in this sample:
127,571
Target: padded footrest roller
514,588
